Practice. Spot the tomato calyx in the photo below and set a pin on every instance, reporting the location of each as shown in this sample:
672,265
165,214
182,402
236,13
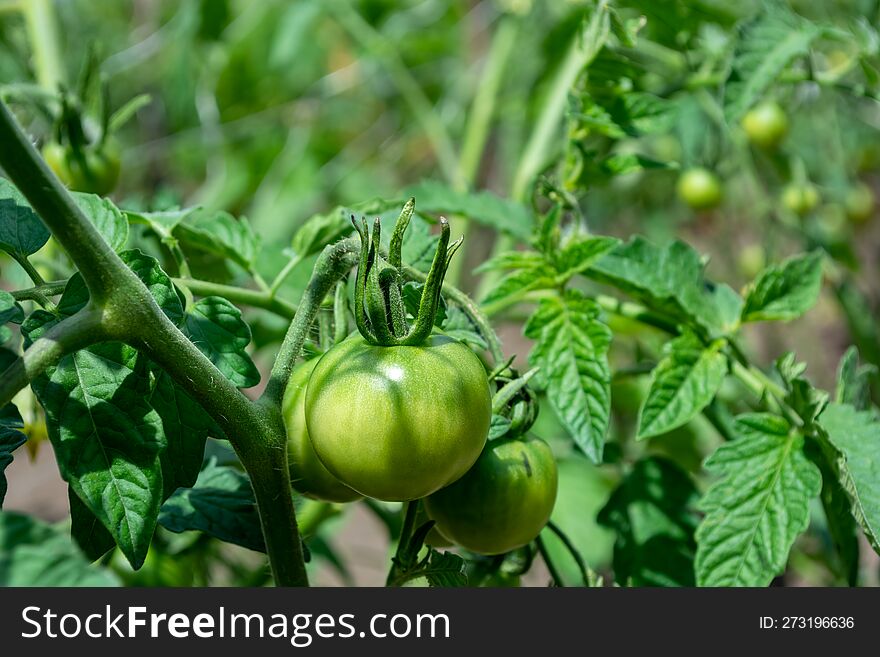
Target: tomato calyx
380,312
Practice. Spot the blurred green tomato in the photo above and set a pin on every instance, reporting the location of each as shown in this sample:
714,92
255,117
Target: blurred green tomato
859,203
766,125
699,188
800,198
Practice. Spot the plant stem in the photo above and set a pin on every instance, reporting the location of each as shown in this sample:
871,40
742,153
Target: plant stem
75,332
239,295
29,269
406,531
588,576
50,289
380,47
471,309
334,262
43,34
545,555
282,275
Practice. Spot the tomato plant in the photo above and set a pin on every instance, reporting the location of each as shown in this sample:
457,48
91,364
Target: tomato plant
514,295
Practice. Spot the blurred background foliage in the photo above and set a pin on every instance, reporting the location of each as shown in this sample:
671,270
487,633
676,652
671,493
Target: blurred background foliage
277,110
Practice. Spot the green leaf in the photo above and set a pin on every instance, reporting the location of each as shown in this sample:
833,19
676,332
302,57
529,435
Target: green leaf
618,164
443,569
682,384
854,381
670,280
107,437
652,513
513,260
806,400
88,532
35,554
108,219
459,326
580,255
221,504
10,311
320,230
220,234
434,198
187,426
758,506
856,436
22,232
520,282
785,291
11,438
498,426
412,298
766,46
163,223
572,351
215,326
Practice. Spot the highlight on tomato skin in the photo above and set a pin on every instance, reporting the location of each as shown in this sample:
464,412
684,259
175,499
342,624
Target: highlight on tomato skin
504,500
398,423
766,124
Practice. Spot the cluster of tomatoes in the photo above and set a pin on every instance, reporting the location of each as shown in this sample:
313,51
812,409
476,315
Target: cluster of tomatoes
765,126
400,423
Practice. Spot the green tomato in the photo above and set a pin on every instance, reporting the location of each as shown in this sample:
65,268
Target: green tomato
699,188
859,203
766,125
503,502
800,199
398,423
751,260
307,474
95,171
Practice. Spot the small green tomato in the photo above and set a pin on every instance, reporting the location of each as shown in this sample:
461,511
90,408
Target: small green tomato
766,125
699,188
859,203
801,199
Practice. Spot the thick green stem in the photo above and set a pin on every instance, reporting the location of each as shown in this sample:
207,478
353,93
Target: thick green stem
239,295
73,333
334,262
406,532
37,292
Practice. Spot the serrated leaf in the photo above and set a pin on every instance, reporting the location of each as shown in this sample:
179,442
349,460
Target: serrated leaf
458,325
215,326
221,234
187,427
785,291
856,436
434,198
320,230
88,532
572,351
412,298
580,255
35,554
22,232
805,399
108,219
758,506
670,280
766,46
163,223
221,504
512,260
652,513
683,383
520,282
854,381
444,569
107,438
11,438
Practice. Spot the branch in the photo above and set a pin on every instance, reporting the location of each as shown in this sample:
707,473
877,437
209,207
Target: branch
239,295
40,291
334,262
75,332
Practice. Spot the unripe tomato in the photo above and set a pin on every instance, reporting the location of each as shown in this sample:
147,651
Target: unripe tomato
398,423
800,199
751,260
504,500
307,473
859,203
699,188
95,171
766,125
